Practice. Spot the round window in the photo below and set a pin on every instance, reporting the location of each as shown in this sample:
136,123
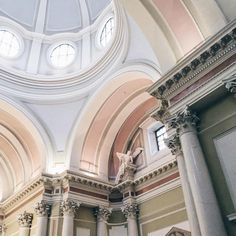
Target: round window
62,55
107,31
9,44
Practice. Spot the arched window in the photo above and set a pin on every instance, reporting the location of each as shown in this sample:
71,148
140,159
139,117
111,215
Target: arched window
107,32
9,44
62,55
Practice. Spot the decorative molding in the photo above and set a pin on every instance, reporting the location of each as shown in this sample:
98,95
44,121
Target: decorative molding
130,210
25,219
162,113
178,232
102,213
42,208
183,119
230,84
69,207
207,56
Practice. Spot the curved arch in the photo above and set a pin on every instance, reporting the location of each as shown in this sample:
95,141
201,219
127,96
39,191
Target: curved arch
100,113
23,149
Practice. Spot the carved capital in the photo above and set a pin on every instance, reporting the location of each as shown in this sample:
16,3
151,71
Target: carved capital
130,210
69,207
173,143
3,228
230,84
102,213
162,114
25,219
42,208
183,119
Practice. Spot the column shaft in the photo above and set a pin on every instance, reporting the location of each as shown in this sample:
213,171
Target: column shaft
24,231
132,226
42,222
208,213
188,198
68,225
101,228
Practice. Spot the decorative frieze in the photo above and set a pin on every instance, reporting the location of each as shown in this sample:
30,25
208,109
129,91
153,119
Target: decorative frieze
130,210
25,219
42,208
69,207
102,213
194,66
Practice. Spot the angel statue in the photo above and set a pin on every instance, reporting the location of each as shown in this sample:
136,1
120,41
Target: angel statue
125,160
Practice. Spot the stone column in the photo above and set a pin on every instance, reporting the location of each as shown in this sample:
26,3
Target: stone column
173,143
42,210
206,205
25,222
102,214
68,208
131,211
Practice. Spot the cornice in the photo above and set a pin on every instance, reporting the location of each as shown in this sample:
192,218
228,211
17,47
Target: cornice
148,177
197,64
45,182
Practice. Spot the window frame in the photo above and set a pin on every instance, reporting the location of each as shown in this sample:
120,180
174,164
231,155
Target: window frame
56,45
20,42
100,30
164,135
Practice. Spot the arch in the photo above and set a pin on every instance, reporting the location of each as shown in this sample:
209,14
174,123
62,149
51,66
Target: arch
117,98
23,150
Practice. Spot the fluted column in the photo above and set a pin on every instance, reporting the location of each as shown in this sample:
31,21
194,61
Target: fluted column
68,208
25,222
131,212
173,143
102,214
42,209
206,205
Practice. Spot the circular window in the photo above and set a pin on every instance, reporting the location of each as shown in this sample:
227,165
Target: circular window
9,44
62,55
107,31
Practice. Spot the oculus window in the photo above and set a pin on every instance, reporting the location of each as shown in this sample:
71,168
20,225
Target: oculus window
107,32
62,55
160,135
9,44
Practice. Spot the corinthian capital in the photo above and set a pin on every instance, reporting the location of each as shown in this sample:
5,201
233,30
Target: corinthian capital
173,143
183,119
230,84
2,228
25,219
130,210
42,208
69,207
102,213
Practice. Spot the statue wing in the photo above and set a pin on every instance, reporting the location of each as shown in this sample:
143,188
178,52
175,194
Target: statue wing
137,152
119,155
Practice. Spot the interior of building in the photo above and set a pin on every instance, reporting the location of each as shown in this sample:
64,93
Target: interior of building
117,117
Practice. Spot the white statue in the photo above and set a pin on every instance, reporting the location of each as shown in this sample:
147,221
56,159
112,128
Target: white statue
125,160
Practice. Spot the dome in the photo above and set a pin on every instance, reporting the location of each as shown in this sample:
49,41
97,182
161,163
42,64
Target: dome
58,15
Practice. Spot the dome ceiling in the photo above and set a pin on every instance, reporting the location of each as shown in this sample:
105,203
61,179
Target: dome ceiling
59,15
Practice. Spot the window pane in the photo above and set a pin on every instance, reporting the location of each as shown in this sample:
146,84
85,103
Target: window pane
9,44
62,55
